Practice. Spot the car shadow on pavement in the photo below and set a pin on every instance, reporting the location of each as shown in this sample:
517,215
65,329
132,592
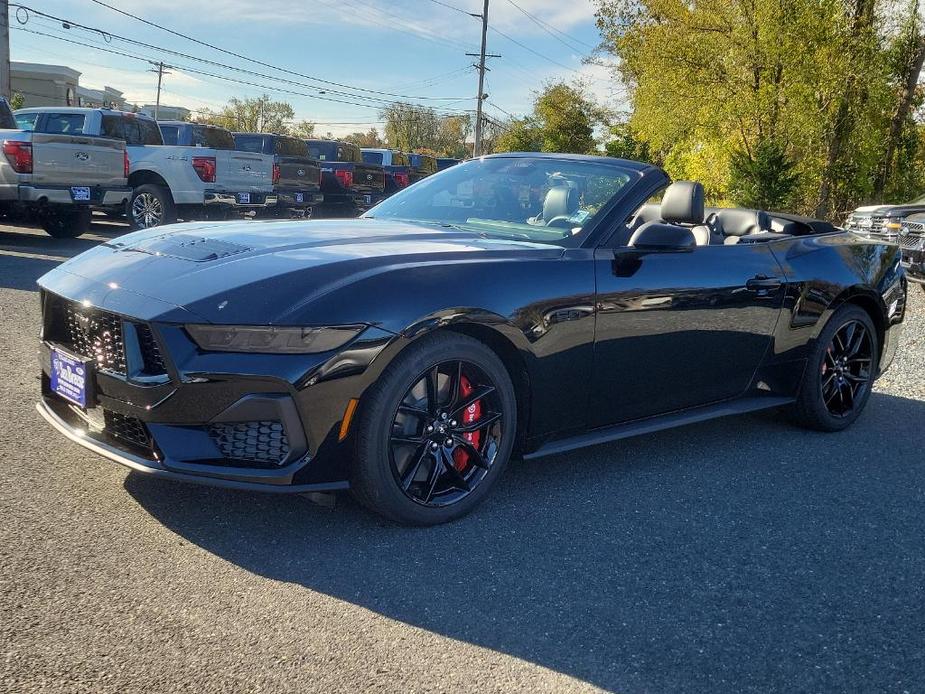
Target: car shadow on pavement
722,556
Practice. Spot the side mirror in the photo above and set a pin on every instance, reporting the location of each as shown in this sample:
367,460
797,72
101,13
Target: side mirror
658,236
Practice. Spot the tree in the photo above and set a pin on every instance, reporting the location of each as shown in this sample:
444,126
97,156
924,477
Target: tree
763,179
370,138
624,143
252,115
410,127
304,129
521,135
17,101
709,82
563,120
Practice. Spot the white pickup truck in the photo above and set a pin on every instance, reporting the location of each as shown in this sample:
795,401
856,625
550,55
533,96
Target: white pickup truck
57,178
168,182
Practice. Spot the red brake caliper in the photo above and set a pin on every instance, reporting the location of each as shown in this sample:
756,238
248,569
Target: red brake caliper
469,415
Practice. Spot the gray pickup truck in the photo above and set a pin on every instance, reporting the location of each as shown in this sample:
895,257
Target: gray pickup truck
57,178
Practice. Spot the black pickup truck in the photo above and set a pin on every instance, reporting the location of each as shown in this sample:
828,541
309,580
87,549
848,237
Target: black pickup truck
446,162
422,166
396,164
350,185
296,176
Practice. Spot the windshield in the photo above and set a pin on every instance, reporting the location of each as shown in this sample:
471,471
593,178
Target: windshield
537,199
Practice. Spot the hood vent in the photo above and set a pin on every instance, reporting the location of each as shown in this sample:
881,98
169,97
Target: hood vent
198,249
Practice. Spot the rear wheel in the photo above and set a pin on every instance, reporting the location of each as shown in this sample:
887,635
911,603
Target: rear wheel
151,206
66,222
840,372
435,432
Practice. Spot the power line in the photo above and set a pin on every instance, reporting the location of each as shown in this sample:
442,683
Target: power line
454,8
551,30
534,52
221,50
195,71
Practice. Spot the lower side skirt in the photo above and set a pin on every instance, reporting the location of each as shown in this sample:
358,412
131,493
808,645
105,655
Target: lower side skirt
652,424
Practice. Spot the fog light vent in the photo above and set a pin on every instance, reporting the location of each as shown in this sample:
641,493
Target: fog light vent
258,443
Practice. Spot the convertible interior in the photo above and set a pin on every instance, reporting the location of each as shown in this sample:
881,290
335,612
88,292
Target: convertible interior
683,220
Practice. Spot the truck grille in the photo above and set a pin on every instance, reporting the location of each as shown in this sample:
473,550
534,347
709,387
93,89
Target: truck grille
859,224
252,444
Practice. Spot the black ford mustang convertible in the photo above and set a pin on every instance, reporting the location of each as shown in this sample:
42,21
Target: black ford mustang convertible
516,304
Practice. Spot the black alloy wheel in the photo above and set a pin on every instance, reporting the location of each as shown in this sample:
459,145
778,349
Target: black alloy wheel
434,433
846,370
840,372
445,434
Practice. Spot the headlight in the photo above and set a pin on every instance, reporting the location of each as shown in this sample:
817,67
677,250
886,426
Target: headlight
271,339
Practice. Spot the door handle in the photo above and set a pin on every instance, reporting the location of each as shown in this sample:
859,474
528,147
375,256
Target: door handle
763,283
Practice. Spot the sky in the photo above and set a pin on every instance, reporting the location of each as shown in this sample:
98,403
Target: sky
411,48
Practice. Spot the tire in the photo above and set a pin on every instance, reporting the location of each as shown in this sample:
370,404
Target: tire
151,206
376,480
922,287
818,405
67,222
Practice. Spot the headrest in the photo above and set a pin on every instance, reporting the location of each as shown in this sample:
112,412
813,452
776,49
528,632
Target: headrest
739,222
561,201
683,203
659,235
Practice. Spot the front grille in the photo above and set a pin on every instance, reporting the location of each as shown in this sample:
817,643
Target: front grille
150,351
94,334
859,224
254,444
128,429
99,336
911,235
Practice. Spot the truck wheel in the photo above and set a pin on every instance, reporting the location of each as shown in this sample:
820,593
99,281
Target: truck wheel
67,223
151,206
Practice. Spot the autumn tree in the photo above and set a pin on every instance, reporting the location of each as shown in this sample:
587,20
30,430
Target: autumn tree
564,118
251,115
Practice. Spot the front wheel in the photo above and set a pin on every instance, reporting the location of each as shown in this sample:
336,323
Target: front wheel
840,372
66,222
434,434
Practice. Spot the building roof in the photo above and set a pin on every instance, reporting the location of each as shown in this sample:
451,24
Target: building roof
43,70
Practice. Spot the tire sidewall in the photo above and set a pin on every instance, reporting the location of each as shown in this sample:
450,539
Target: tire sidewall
372,473
67,223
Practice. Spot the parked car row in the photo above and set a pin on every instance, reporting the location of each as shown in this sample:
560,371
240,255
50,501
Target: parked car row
60,163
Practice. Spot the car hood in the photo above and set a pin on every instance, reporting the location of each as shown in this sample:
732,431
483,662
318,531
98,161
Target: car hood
890,210
258,272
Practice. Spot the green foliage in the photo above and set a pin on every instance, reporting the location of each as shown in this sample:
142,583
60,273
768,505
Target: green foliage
710,81
261,115
304,129
764,179
17,101
409,127
625,144
563,120
370,138
521,135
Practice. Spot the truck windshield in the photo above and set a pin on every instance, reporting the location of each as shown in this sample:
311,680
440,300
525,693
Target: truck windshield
291,147
537,199
171,134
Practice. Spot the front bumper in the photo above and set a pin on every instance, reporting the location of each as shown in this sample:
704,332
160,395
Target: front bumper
913,262
155,468
255,201
61,195
157,403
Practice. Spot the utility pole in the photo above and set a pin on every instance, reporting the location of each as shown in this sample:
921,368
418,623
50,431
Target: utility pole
480,97
5,89
160,76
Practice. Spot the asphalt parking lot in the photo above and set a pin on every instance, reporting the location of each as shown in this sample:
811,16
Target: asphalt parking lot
738,555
